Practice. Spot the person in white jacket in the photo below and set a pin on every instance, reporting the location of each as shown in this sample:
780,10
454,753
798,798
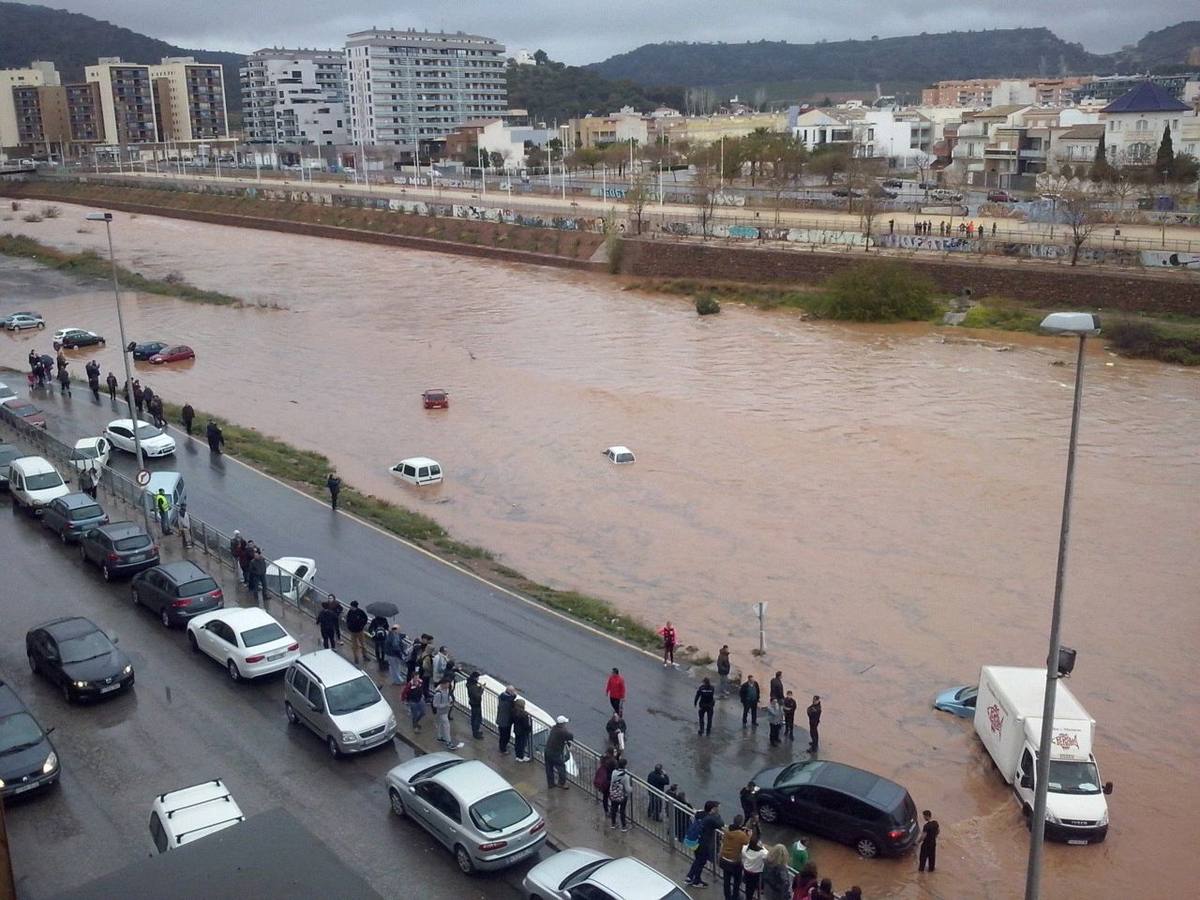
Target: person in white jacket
754,858
442,702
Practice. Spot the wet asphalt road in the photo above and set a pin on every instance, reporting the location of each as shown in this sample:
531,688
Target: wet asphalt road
560,665
183,722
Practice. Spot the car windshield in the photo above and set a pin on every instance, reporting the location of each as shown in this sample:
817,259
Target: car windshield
18,732
87,646
199,586
21,409
262,634
1073,778
42,481
133,542
967,693
352,696
85,453
278,584
500,811
86,512
795,774
145,432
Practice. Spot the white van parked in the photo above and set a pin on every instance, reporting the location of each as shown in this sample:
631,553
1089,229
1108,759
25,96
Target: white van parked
418,470
1008,719
188,814
33,483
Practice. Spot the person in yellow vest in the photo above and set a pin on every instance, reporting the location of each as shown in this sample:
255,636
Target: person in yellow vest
163,505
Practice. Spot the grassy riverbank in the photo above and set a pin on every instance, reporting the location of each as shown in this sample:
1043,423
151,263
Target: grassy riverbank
307,470
88,264
1173,339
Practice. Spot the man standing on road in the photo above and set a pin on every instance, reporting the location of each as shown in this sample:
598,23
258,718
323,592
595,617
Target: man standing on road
163,505
257,571
93,379
704,702
335,487
669,639
356,624
814,722
504,708
709,824
215,438
929,836
327,622
64,381
789,716
615,690
188,415
442,701
615,728
777,687
659,780
111,381
749,695
723,669
558,742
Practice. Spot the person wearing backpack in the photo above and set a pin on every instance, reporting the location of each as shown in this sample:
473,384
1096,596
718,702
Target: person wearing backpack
710,822
378,629
620,786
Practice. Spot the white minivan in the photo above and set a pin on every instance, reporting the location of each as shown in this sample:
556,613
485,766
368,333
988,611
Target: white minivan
337,700
418,470
33,483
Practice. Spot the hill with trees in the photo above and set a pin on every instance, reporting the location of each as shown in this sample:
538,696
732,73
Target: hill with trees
72,41
554,91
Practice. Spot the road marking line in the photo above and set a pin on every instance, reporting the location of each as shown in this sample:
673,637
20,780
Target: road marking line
541,607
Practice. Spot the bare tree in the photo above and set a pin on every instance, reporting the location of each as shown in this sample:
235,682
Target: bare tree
705,188
924,163
635,198
1120,186
1083,217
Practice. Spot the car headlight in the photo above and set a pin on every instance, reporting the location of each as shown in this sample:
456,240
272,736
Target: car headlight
80,684
128,670
50,764
349,737
1,783
1051,818
391,721
1103,818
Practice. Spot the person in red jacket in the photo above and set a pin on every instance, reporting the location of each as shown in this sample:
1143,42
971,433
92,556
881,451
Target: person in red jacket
669,639
615,690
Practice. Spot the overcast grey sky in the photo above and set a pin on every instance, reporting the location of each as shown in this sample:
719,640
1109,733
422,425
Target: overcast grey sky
583,31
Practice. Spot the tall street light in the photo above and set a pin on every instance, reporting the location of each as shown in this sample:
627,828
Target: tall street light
1081,325
106,218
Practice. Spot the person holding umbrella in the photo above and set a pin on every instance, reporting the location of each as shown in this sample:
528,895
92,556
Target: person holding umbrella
378,629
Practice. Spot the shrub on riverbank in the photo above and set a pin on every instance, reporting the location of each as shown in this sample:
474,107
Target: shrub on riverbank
876,291
707,305
1170,343
89,264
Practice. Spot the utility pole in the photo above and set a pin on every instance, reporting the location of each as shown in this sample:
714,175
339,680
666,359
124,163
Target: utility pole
761,609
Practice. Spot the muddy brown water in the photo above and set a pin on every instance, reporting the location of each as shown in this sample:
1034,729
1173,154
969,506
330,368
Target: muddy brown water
892,492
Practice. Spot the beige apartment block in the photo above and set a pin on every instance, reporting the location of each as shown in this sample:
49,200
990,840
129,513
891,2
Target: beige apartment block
189,100
126,100
36,75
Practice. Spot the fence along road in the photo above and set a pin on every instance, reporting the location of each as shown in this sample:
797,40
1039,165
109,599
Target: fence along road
558,665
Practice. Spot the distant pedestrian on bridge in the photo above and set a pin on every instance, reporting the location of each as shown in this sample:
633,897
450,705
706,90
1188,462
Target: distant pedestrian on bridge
335,487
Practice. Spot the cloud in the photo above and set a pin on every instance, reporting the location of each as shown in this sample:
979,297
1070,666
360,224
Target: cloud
583,31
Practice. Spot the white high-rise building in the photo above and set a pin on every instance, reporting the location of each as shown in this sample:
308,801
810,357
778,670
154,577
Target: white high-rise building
411,86
295,96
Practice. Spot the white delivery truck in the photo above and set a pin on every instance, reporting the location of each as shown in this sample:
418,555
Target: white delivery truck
1008,719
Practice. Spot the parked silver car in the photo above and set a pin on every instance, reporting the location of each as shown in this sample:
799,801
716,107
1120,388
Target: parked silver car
340,703
469,807
580,872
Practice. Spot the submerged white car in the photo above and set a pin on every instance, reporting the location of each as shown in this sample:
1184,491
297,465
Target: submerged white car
247,641
619,455
90,453
418,470
155,442
291,577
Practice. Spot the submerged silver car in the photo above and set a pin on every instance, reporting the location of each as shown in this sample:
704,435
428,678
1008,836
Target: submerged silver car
580,872
469,807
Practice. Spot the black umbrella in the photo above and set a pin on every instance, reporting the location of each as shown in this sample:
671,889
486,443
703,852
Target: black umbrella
383,608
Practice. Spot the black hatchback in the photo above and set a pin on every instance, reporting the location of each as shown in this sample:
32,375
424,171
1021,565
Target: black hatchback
78,657
177,591
72,515
119,548
873,815
27,758
147,349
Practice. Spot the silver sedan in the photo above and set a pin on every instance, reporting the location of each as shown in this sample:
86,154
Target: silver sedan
580,872
468,806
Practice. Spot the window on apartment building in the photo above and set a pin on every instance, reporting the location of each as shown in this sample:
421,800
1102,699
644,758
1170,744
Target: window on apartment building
1142,125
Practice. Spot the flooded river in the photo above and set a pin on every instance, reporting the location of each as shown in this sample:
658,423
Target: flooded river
892,492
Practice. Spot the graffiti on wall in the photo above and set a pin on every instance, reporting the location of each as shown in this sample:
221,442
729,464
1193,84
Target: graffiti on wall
1165,259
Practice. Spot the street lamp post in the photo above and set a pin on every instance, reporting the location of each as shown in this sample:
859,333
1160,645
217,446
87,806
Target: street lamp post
106,218
1081,325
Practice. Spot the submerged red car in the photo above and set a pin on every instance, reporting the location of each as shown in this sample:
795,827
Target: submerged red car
436,398
25,410
177,353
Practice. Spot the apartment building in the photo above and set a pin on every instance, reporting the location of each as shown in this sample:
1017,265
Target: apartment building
189,99
409,87
984,93
37,74
295,96
1110,87
126,100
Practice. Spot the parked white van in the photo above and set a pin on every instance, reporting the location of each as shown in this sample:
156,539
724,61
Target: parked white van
33,483
188,814
418,470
